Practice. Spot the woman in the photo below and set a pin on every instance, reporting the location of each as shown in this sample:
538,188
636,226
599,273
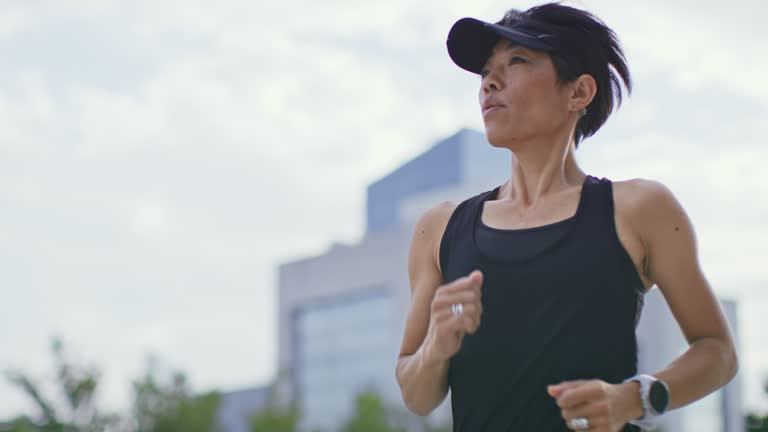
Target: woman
525,298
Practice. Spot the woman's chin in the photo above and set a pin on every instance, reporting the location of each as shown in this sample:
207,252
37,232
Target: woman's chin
498,135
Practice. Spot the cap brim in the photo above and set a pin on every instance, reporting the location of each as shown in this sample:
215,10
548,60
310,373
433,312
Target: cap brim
470,42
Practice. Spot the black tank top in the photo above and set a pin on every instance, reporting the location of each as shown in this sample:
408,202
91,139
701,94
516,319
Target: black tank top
560,302
501,244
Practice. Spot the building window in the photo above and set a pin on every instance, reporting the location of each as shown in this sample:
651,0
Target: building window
343,346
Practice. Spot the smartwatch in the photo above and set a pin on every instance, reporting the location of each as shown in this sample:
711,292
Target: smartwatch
654,394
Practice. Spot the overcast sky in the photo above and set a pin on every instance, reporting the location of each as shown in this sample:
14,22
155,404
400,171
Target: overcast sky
159,159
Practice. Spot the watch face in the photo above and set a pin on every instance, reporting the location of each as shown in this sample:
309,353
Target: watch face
659,397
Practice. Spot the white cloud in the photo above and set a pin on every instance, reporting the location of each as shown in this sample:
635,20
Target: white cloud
701,46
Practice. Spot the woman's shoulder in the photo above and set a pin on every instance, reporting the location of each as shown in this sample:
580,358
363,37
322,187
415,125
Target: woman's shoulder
428,231
434,221
635,194
646,204
436,216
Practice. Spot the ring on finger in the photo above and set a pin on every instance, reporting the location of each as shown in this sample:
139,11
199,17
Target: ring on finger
580,423
457,309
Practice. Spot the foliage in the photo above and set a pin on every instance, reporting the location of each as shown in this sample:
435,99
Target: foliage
160,404
167,405
77,411
757,422
275,418
164,402
371,415
21,424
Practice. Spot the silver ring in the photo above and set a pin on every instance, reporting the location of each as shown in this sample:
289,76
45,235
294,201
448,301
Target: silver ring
580,423
457,309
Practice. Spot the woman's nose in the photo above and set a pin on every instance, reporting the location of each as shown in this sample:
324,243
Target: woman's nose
491,83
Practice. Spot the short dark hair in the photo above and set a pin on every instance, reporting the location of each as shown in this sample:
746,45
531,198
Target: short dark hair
588,47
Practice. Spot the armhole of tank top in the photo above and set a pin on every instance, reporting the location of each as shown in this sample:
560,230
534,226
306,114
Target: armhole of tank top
443,245
620,249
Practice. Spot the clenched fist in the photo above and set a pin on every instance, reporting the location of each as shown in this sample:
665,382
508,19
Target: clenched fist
446,328
602,406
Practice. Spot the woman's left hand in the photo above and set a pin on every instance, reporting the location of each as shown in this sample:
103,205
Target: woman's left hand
606,407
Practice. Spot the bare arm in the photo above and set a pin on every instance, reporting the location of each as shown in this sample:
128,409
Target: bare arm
423,383
432,333
672,263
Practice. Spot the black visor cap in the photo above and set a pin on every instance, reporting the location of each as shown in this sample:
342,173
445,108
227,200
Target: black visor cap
470,42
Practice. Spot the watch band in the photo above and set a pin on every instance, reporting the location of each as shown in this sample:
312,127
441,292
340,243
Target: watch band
650,416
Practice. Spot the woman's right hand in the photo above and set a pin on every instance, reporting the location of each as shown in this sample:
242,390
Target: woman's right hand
446,329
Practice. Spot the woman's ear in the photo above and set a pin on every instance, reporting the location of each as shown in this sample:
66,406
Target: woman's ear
583,91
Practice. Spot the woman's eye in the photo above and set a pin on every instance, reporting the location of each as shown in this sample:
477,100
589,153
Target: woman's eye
484,73
516,59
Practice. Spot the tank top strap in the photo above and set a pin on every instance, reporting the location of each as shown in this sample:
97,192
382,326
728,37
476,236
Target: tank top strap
597,211
458,231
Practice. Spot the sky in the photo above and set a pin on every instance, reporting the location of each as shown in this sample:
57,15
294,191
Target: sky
159,159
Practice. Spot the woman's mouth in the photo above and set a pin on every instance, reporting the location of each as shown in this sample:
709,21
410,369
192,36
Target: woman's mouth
491,109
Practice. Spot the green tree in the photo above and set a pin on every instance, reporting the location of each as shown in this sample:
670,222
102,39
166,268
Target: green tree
77,411
758,422
165,403
20,424
273,420
371,415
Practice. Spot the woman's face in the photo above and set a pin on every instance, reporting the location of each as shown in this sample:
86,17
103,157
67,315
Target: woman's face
520,97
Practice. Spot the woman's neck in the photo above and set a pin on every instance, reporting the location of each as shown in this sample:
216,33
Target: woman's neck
536,175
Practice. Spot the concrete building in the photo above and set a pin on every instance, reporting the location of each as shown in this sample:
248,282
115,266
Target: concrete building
341,314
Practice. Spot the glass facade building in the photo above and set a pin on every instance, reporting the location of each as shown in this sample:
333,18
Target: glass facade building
342,348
